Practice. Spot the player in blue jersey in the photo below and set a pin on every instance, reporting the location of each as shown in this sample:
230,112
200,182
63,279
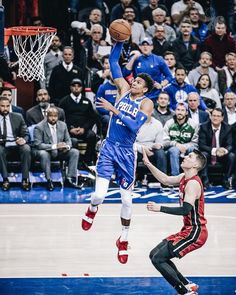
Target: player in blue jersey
117,154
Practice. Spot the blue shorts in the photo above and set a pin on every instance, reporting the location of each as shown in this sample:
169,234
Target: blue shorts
118,159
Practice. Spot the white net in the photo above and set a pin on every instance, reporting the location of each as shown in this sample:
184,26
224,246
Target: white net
31,51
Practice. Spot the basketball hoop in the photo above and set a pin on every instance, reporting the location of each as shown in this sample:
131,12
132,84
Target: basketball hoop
31,44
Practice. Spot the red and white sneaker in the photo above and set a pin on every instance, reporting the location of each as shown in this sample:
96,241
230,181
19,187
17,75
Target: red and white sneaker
87,220
192,287
122,254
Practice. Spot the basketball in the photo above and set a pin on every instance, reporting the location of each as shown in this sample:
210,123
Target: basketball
120,30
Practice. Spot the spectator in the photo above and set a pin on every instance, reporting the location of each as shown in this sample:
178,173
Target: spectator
180,136
171,62
194,112
80,119
107,90
178,89
232,87
186,47
6,73
200,28
93,44
59,83
180,9
225,75
205,62
7,92
147,17
13,142
118,10
39,112
159,16
52,59
149,63
160,44
209,95
229,108
137,30
128,49
161,110
52,141
234,149
101,76
219,43
150,137
215,141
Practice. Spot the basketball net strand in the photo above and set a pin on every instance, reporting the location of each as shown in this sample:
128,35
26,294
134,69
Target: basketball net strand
31,51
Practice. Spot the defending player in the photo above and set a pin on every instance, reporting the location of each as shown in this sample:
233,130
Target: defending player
194,234
117,153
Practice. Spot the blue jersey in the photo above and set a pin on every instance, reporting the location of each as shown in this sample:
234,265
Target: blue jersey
117,130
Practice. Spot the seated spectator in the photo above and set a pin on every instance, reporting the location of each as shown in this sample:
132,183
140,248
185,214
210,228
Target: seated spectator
118,10
6,73
101,76
128,49
108,90
232,87
205,62
13,141
150,137
93,44
219,43
215,141
7,92
39,112
147,16
137,30
194,112
180,137
149,63
208,94
180,9
52,59
229,108
52,142
225,75
160,44
178,89
80,119
234,150
59,83
200,28
161,110
186,47
159,16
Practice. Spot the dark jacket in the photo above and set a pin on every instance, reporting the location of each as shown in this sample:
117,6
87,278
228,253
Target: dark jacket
206,133
187,57
160,49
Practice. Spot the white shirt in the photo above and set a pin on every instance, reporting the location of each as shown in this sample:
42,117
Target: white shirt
231,116
53,130
68,67
195,116
76,98
217,135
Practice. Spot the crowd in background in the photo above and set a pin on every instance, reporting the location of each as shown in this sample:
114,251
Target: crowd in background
188,48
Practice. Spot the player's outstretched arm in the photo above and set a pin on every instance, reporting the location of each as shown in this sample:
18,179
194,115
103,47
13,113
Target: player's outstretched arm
116,73
159,175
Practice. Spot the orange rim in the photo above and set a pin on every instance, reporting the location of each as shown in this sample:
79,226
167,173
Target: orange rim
28,31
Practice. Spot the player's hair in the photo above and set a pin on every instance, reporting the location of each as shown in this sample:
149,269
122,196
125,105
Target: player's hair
148,81
201,158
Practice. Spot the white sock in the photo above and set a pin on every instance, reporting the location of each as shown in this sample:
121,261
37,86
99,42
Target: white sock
93,208
124,233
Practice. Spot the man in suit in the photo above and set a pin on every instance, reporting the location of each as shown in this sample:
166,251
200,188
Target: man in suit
52,141
194,112
80,119
215,141
229,108
13,141
39,112
61,76
7,92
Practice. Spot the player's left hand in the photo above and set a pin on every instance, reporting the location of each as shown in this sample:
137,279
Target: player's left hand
145,157
103,103
152,206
